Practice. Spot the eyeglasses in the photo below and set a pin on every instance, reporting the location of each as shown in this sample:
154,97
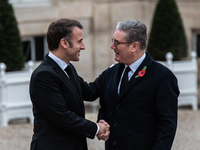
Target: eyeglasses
116,43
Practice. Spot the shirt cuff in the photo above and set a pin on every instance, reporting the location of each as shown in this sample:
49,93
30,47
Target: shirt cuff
97,129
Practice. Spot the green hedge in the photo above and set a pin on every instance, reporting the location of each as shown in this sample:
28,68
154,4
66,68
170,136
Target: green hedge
11,52
167,32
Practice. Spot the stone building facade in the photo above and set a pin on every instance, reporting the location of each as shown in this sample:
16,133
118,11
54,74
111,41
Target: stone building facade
99,18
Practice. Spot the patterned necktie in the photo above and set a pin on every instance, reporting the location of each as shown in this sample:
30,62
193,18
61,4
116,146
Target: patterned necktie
124,81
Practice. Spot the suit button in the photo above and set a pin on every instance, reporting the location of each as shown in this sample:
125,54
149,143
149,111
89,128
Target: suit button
117,106
115,124
115,143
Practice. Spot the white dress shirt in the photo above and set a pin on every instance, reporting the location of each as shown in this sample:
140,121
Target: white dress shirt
60,62
133,68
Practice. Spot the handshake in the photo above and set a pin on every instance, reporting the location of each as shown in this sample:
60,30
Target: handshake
104,130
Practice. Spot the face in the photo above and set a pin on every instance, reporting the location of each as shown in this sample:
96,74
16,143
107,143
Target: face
122,50
77,45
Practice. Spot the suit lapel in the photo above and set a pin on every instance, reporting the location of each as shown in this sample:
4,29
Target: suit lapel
78,87
66,79
147,62
116,80
60,72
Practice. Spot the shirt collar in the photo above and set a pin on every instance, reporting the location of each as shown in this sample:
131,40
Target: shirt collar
60,62
137,63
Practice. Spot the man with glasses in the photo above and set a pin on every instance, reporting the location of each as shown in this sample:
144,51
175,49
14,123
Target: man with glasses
138,95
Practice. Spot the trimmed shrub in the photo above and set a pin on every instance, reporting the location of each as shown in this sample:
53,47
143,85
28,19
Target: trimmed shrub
11,52
167,32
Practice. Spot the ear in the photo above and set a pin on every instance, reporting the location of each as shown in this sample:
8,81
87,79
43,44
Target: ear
135,46
64,43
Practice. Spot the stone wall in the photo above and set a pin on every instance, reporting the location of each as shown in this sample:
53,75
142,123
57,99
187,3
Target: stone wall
99,18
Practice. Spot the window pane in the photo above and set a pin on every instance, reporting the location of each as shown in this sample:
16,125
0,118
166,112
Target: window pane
39,48
198,45
27,50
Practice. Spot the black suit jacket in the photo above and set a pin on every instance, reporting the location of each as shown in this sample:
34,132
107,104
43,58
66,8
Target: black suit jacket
144,117
58,109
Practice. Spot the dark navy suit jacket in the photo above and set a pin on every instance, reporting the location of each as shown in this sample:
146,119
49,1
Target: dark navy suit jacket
144,117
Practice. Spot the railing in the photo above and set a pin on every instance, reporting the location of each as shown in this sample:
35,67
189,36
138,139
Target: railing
186,73
14,89
14,94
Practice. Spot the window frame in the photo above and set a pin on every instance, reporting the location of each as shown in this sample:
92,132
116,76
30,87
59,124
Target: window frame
33,48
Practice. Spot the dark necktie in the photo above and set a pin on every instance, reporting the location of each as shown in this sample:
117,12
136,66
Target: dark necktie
124,81
69,72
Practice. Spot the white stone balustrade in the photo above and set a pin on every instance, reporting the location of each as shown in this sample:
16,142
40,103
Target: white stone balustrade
14,94
14,88
186,72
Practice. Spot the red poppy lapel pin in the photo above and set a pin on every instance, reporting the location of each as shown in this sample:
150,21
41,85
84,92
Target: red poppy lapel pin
142,72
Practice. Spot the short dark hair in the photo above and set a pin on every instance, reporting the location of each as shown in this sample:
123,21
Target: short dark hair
135,32
59,29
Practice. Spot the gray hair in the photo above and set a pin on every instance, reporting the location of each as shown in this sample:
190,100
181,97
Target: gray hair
136,32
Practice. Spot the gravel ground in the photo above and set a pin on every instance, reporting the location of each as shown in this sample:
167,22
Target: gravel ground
17,136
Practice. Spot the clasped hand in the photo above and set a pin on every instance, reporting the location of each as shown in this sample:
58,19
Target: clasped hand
104,130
